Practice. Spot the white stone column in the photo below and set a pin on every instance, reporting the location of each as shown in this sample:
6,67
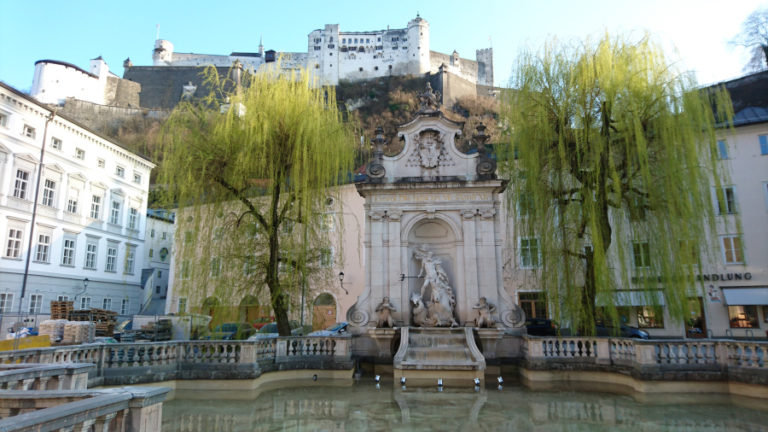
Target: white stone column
394,268
376,266
470,292
486,259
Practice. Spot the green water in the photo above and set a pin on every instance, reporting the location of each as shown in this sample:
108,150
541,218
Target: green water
360,406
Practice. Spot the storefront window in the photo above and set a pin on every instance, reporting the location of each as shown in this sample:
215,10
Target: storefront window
742,316
648,317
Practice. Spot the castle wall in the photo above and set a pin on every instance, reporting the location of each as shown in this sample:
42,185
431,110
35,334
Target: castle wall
54,81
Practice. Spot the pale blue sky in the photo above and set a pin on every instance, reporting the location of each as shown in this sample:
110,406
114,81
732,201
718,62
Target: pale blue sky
77,30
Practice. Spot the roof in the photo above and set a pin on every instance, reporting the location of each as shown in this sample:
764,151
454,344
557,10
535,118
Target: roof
65,64
749,96
32,100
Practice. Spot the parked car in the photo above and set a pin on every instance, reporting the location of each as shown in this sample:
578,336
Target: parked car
270,330
334,330
540,327
605,329
233,331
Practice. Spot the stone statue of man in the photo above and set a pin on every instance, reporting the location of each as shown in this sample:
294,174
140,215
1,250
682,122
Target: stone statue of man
384,311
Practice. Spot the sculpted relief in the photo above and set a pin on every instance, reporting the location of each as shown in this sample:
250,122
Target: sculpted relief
434,304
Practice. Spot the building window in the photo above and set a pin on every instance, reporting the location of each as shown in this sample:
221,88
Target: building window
43,248
215,267
182,308
732,251
327,222
524,205
133,218
6,302
85,303
743,316
130,258
152,233
49,192
72,205
95,207
120,171
529,252
165,235
91,248
763,139
62,298
101,163
13,249
68,253
3,120
326,257
114,215
35,303
56,143
534,304
722,149
125,306
79,154
726,200
641,254
185,269
28,131
137,178
20,185
106,304
151,253
111,265
648,317
159,274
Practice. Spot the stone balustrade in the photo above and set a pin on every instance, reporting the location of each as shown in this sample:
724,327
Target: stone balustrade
133,363
31,376
744,361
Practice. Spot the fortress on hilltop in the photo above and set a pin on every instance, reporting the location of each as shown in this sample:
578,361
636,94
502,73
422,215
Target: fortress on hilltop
332,56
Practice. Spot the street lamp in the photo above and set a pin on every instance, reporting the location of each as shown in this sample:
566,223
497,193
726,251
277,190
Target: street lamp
341,282
85,287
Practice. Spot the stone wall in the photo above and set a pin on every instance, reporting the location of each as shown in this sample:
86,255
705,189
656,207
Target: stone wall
98,117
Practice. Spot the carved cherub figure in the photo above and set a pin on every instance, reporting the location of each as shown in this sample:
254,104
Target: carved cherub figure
484,311
384,313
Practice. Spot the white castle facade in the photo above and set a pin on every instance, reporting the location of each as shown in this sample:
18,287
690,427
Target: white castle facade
334,55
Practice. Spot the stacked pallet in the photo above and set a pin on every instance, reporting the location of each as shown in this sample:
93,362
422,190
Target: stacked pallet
160,330
61,309
53,328
104,320
76,332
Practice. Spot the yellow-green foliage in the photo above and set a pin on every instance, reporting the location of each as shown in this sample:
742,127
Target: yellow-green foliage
609,144
251,178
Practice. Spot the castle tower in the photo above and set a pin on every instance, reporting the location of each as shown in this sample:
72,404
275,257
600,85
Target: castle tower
99,67
261,47
323,58
163,53
484,66
418,45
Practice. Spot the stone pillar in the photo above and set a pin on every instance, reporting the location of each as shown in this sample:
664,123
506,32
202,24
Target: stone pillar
470,294
394,268
486,260
146,409
376,266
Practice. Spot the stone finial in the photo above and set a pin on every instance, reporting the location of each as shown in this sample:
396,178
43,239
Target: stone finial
428,101
376,167
486,166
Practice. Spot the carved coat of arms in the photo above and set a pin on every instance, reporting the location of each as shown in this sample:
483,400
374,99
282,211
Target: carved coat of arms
429,145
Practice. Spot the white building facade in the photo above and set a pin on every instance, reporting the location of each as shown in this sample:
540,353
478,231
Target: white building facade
157,259
88,221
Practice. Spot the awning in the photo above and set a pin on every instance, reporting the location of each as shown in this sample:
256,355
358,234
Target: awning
746,296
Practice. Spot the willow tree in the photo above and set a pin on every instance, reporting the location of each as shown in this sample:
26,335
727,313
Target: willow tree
612,160
250,167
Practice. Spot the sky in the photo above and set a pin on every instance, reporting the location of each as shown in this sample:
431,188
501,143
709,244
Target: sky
695,34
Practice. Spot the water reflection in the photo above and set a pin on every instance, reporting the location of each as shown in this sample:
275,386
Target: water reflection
360,407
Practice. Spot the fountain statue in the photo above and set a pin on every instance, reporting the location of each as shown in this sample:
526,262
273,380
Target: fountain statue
384,313
437,309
